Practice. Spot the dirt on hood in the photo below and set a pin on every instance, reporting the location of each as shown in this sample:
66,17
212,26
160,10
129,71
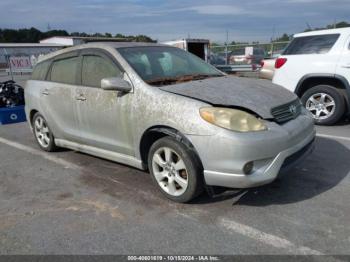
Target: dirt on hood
256,95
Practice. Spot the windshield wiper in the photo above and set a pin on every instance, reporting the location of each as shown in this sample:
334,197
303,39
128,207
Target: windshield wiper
182,78
201,76
163,80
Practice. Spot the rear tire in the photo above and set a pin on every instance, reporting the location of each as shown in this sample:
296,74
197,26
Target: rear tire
326,104
43,134
175,170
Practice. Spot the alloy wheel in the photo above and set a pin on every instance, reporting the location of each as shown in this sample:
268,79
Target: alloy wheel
170,171
321,105
42,132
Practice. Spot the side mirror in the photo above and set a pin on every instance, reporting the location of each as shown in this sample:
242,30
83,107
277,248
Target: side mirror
116,84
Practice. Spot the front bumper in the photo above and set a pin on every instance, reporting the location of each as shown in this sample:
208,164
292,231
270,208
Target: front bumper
223,157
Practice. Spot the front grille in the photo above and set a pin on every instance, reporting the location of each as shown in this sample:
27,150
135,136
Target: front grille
286,112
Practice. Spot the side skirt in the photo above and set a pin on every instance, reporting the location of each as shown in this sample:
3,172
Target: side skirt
110,155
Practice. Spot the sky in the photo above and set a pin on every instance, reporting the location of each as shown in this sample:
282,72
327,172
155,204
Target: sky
244,20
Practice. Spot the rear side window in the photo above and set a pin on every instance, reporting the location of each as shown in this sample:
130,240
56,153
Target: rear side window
40,70
317,44
64,70
95,68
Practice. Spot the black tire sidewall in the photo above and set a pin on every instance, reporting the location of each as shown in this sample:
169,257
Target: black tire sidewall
194,172
338,99
52,146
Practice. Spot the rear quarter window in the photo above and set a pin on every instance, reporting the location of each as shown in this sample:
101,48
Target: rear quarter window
317,44
40,70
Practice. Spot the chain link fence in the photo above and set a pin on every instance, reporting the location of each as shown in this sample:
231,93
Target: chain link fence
269,50
17,61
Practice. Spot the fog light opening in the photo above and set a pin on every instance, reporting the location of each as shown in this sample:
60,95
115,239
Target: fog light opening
248,168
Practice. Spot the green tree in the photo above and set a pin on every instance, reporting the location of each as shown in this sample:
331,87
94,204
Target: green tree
33,35
284,38
341,24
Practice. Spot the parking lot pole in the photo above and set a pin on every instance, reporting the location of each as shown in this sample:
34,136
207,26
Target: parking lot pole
226,50
271,52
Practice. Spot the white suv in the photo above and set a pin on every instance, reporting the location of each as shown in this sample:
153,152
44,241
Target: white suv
316,66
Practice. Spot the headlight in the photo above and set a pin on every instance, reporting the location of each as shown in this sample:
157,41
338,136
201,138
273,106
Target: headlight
232,119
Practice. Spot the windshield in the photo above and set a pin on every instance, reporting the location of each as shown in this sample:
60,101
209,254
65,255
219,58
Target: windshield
158,65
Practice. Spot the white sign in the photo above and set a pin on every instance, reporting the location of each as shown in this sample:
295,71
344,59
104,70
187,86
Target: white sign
249,51
20,62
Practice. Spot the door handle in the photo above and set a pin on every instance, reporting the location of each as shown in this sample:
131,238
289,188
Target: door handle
45,92
80,97
346,66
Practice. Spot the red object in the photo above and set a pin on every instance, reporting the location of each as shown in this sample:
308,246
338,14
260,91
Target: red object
280,62
262,63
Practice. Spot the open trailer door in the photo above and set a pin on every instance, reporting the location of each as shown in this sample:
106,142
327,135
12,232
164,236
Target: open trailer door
198,47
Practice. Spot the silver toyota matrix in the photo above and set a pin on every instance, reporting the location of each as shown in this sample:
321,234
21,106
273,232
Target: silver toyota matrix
160,108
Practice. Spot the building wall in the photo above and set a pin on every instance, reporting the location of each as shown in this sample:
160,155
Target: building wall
66,41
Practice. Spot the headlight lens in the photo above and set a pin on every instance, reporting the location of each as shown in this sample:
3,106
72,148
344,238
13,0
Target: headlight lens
232,119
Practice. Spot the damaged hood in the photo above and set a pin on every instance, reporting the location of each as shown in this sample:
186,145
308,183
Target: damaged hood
256,95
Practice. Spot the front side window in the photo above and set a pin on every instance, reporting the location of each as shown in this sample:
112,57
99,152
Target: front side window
160,65
316,44
65,70
95,68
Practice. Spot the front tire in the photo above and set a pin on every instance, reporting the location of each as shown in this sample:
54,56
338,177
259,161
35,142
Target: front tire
174,170
326,104
43,134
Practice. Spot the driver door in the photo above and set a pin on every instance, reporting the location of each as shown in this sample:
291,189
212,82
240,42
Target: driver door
104,115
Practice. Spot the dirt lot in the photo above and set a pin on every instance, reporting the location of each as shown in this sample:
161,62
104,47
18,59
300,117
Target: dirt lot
72,203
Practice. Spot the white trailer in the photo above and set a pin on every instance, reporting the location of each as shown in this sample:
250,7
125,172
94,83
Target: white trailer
198,47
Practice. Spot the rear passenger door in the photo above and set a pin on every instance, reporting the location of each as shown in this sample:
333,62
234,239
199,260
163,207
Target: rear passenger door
57,96
104,115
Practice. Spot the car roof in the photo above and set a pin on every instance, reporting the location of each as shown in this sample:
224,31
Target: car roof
345,30
102,45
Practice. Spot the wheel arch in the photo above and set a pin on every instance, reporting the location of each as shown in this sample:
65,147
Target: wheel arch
155,133
335,80
31,115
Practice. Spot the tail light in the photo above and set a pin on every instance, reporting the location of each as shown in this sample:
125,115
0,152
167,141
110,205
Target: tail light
262,62
280,62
